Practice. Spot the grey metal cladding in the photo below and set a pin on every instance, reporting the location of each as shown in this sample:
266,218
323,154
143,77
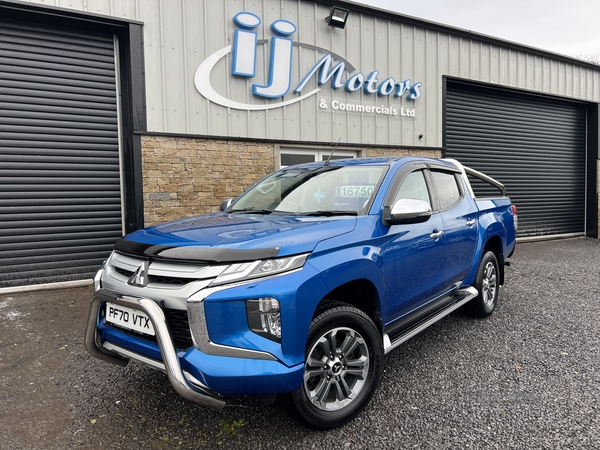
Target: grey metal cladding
180,34
535,146
60,193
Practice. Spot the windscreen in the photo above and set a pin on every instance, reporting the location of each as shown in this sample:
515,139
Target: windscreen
314,190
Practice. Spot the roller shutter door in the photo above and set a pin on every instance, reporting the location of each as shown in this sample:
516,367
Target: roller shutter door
535,146
60,195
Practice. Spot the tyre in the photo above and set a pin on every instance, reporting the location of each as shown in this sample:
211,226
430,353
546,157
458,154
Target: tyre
487,284
344,359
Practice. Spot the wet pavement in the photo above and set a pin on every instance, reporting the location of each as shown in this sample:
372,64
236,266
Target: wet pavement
526,377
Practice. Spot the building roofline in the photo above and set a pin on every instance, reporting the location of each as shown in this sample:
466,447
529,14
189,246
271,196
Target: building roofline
460,32
65,13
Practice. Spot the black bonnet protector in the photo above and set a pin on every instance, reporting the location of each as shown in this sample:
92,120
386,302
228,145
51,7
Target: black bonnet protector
196,254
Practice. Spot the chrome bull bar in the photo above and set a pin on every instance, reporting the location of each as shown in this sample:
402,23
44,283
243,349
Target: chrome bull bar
180,383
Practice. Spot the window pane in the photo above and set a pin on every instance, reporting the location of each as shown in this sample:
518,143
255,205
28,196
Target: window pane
337,154
339,157
446,188
288,159
414,187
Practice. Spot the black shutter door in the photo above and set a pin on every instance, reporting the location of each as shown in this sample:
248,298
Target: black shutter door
533,145
60,199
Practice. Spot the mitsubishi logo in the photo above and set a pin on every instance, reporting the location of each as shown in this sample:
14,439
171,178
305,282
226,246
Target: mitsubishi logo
140,277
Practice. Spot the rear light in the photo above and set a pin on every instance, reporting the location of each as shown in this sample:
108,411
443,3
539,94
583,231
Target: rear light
513,211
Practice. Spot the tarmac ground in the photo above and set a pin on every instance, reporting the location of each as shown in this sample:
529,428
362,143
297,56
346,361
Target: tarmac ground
526,377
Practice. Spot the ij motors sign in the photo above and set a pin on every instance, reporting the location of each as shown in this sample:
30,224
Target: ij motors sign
279,88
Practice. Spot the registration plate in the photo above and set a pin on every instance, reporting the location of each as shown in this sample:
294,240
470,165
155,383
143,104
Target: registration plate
132,319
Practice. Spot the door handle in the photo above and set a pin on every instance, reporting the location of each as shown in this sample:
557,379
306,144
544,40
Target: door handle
471,222
436,234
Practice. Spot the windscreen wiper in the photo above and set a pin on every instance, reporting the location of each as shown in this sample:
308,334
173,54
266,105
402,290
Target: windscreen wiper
252,211
327,213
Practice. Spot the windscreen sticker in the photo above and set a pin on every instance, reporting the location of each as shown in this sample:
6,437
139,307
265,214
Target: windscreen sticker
354,191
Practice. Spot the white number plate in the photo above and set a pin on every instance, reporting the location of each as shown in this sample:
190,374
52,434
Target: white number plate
132,319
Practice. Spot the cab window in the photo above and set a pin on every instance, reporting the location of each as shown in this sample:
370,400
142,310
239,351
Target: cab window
415,187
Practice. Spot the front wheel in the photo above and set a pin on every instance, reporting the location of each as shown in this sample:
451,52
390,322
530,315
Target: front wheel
487,283
343,365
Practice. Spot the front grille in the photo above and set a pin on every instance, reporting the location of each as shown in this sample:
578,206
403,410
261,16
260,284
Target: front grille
179,327
168,280
125,273
174,281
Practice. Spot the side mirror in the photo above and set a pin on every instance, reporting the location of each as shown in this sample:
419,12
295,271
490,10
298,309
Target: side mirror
226,204
407,211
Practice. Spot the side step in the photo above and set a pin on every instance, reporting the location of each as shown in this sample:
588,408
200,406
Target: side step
459,298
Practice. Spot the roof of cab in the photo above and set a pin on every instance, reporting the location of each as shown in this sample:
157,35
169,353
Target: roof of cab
379,160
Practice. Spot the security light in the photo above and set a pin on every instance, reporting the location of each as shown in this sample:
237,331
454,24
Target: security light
337,17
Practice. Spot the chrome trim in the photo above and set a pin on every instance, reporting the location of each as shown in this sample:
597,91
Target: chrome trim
169,355
199,328
468,171
202,294
487,179
155,364
436,235
470,293
128,354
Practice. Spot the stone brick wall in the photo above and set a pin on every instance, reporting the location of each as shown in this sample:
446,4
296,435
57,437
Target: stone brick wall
403,152
184,177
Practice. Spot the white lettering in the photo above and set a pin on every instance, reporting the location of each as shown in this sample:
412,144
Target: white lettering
280,70
355,82
381,110
415,91
371,82
325,74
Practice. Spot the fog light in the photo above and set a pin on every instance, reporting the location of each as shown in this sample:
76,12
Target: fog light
264,317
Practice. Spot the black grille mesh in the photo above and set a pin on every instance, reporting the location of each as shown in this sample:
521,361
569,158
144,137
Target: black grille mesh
179,327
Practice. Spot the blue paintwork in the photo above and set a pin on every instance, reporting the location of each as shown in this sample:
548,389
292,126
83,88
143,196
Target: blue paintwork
404,265
228,376
293,235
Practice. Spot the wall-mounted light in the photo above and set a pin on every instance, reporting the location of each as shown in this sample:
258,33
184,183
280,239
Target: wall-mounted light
421,137
337,17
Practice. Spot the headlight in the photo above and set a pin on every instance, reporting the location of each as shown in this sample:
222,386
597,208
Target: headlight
258,269
264,317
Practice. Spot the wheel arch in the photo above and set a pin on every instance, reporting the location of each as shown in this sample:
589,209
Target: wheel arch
494,245
361,294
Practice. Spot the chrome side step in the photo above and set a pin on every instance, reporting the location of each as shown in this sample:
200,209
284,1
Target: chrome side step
462,296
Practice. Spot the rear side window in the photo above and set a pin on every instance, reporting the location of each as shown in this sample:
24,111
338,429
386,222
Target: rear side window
447,189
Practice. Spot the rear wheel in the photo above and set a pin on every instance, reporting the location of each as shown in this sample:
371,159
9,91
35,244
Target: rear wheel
343,365
487,283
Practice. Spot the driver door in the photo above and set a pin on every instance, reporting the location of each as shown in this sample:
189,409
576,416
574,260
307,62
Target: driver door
413,254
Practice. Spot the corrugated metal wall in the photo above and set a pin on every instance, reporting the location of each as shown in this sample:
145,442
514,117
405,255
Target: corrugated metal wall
60,197
180,34
535,146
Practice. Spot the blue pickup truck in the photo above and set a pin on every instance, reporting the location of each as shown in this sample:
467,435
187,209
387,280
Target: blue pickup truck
305,281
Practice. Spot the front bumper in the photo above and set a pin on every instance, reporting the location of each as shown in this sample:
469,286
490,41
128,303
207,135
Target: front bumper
202,373
183,384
